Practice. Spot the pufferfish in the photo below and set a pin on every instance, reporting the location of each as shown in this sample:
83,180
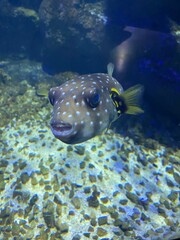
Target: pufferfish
86,105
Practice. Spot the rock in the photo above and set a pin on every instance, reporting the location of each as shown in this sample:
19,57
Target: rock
80,150
2,183
76,202
57,199
63,22
104,199
173,196
176,177
82,165
33,200
93,222
132,197
128,187
102,220
24,177
62,227
93,201
48,214
92,178
101,232
123,201
76,237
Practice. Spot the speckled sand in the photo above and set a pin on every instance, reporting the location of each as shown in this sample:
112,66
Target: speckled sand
105,188
58,191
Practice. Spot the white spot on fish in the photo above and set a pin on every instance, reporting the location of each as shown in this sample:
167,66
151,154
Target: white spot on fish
91,123
82,122
67,103
100,122
53,92
64,113
82,103
78,112
70,116
77,104
88,113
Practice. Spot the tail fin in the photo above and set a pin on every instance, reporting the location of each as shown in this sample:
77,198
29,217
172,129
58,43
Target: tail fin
132,98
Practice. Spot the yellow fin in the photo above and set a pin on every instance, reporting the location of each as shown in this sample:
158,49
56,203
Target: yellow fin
132,98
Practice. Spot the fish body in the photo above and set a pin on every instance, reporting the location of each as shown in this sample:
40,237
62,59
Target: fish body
86,105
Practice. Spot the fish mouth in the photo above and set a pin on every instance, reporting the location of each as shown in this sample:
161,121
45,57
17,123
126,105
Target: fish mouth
61,129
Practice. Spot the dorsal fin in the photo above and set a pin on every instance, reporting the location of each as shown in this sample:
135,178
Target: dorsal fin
110,69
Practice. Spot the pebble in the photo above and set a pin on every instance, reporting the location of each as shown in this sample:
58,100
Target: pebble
173,196
93,222
76,202
176,177
24,177
80,150
44,170
104,199
128,187
102,220
87,190
93,202
144,217
48,214
101,232
82,165
123,201
3,163
132,197
76,237
169,169
57,199
62,227
92,178
2,183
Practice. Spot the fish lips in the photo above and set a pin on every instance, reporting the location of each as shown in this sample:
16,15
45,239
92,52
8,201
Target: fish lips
62,130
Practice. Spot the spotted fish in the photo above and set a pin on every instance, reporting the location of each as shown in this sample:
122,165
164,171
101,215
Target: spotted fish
86,105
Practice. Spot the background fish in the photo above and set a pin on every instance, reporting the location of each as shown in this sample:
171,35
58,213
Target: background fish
86,105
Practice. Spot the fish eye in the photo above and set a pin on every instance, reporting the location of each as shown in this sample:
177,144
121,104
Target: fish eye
93,99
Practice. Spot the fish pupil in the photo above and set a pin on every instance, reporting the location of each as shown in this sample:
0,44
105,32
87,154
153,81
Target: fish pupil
93,100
